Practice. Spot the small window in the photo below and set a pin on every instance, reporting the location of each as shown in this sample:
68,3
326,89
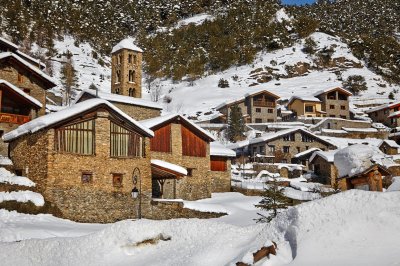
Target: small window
332,116
286,149
18,172
331,106
190,171
309,108
342,107
117,180
270,111
258,120
298,149
117,91
130,58
343,117
87,177
283,161
132,92
119,59
271,148
258,110
27,91
270,120
131,75
118,76
20,78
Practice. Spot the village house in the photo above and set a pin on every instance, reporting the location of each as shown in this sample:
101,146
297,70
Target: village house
126,72
388,114
335,102
282,146
322,163
389,147
16,108
220,166
258,107
177,141
85,160
304,157
25,76
136,108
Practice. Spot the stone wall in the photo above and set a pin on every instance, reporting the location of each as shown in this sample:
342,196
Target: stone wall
221,181
197,186
338,123
138,112
358,135
10,72
327,172
161,210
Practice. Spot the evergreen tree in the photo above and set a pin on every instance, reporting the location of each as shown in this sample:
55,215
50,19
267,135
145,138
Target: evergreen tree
391,95
235,130
355,84
273,201
310,46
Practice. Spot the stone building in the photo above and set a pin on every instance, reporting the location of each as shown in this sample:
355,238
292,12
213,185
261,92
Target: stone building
335,102
370,179
25,76
282,146
305,107
139,109
258,107
322,163
388,114
126,72
16,108
179,142
83,160
389,147
220,166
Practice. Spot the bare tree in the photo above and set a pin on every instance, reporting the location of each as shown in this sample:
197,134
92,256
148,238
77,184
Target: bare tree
155,90
69,80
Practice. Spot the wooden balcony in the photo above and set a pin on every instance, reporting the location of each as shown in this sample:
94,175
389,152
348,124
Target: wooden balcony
14,119
263,104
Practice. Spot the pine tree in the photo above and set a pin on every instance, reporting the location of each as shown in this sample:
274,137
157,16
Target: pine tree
235,130
355,84
273,200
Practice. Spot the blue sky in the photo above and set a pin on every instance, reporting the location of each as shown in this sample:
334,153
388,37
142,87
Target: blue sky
297,2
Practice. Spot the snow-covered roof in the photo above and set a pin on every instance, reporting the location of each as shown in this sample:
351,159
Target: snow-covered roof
300,154
273,135
53,118
34,60
242,98
128,43
365,130
333,89
169,166
326,155
29,65
116,98
217,149
152,122
383,106
390,143
358,158
9,44
21,92
304,98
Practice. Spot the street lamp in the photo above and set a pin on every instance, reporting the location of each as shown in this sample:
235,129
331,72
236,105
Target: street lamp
137,192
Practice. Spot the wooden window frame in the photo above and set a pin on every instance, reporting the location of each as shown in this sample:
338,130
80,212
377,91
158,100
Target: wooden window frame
135,151
115,178
61,145
86,174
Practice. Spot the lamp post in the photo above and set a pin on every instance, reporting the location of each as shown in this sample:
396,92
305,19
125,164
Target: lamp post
137,192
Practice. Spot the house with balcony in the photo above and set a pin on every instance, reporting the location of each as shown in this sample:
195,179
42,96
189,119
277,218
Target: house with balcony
16,108
335,102
258,107
387,114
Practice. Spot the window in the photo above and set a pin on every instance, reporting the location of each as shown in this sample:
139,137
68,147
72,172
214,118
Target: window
258,110
298,149
130,58
258,120
118,76
331,106
271,148
309,108
306,138
270,120
77,138
117,180
117,91
270,111
261,149
254,151
20,78
332,116
119,59
87,177
124,142
27,91
289,137
342,107
343,117
218,164
286,149
189,171
131,75
283,161
132,92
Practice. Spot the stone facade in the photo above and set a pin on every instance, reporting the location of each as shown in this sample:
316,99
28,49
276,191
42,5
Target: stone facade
221,180
126,73
258,107
370,180
283,150
192,187
326,171
335,103
22,78
338,124
58,176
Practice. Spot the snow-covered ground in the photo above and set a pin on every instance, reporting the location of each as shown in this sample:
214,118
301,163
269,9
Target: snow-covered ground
350,228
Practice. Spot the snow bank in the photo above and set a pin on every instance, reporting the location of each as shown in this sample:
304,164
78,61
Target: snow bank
170,166
23,196
8,177
395,186
217,149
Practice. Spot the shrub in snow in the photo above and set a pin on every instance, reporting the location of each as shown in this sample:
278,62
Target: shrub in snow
223,83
